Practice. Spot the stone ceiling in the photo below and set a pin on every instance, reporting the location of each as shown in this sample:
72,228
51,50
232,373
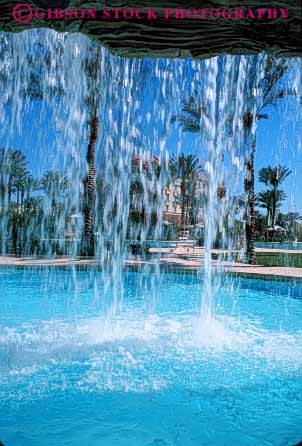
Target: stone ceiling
175,38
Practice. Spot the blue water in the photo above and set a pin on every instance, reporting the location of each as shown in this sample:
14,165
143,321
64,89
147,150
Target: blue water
279,245
155,374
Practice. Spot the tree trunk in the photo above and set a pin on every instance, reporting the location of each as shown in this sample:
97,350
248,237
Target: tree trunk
14,236
18,199
90,187
183,203
10,191
250,225
187,210
267,218
22,199
28,199
274,206
2,193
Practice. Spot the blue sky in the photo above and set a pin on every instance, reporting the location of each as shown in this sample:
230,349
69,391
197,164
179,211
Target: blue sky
278,141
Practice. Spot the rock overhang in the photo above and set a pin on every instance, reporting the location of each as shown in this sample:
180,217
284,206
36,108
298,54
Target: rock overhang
194,36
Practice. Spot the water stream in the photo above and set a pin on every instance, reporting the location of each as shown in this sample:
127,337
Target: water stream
45,115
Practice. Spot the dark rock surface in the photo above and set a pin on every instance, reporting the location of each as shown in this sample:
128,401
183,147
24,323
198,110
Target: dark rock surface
176,38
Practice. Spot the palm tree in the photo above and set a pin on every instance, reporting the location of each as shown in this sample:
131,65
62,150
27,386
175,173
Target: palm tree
3,172
185,169
270,200
16,162
272,89
16,185
54,185
274,177
291,221
249,190
92,69
31,184
13,168
190,116
264,201
19,186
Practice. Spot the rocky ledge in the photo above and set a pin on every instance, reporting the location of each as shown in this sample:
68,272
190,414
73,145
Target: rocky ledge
215,31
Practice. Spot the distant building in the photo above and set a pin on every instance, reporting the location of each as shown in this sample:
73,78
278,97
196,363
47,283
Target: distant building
171,193
172,208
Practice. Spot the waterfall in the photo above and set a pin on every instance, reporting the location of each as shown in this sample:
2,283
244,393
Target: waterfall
229,96
45,117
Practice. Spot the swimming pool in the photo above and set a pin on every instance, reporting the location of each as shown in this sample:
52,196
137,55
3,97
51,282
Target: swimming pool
156,373
280,245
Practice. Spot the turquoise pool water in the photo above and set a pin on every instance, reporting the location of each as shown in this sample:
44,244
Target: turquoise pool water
279,245
157,374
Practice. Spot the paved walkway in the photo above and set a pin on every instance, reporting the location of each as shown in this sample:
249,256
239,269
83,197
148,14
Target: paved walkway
31,261
176,261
